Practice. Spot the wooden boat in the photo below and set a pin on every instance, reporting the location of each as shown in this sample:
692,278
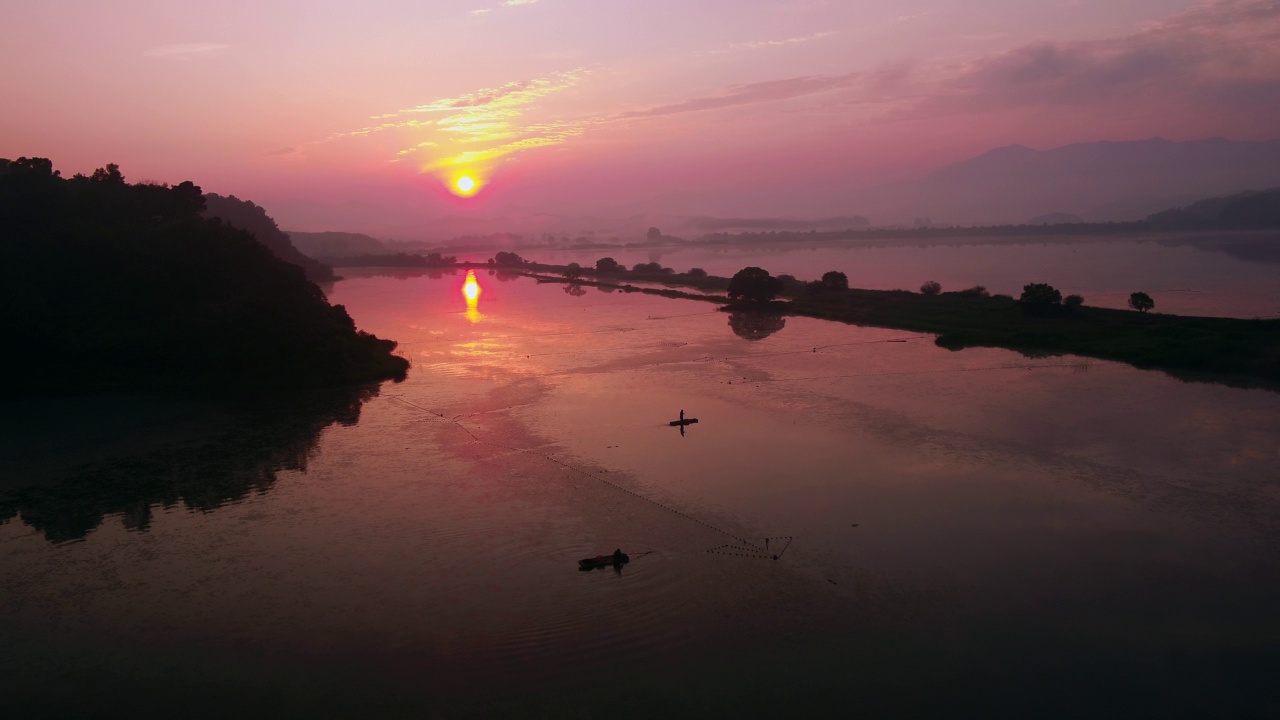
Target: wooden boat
690,421
617,559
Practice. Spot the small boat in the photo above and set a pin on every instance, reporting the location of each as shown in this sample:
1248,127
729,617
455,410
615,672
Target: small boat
617,559
690,421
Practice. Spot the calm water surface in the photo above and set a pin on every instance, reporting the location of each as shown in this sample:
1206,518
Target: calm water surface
960,534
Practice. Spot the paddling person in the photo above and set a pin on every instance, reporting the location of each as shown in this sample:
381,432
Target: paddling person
619,557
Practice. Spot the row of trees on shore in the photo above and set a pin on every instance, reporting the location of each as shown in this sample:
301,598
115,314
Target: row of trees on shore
756,285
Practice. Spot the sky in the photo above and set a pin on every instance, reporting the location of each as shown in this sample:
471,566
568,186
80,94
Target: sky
361,116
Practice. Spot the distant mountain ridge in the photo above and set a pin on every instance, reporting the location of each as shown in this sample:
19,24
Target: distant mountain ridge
252,218
1099,181
336,244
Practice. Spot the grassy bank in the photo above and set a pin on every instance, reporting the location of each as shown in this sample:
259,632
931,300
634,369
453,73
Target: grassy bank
1230,350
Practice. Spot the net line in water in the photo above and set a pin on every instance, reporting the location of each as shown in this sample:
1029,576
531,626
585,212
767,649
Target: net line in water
743,547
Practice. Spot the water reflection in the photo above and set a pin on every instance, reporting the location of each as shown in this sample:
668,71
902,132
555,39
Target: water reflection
471,291
271,435
574,289
755,325
1249,248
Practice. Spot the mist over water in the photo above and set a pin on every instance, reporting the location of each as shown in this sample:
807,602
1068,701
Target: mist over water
958,532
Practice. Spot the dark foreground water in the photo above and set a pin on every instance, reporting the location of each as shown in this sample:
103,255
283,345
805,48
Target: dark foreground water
971,534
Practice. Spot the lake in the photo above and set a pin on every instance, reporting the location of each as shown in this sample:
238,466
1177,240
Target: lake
958,534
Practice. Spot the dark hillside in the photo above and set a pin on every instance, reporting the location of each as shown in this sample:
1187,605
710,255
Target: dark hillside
112,285
1249,210
248,216
336,244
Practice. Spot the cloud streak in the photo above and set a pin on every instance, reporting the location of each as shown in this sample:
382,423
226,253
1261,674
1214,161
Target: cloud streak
752,94
1217,50
762,44
478,128
186,49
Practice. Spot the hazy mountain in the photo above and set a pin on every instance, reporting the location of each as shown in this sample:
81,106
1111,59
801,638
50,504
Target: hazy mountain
249,216
1055,219
1250,210
1098,181
321,245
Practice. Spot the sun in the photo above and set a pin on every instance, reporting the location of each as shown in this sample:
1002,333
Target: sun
465,185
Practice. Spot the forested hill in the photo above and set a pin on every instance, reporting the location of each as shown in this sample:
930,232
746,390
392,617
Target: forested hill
248,216
1250,210
126,286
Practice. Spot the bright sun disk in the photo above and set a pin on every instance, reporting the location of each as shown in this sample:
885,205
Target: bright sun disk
465,184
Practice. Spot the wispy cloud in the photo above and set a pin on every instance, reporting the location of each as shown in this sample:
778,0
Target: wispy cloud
1213,53
505,4
761,44
187,49
478,127
753,93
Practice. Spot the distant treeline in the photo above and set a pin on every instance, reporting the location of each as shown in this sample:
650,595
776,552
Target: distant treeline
409,260
115,285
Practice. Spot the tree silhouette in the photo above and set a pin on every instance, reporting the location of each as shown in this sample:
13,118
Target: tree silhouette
606,265
755,285
931,287
1040,298
834,280
507,259
1141,302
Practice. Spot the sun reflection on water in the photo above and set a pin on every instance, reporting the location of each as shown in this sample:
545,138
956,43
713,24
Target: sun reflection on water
471,291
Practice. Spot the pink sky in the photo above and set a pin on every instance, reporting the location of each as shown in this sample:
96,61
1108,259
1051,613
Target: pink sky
610,107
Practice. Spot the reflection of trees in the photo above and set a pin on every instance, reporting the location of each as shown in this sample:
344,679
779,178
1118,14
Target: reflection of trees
274,434
755,325
574,289
606,288
1259,250
506,275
